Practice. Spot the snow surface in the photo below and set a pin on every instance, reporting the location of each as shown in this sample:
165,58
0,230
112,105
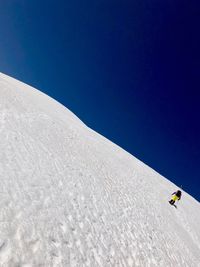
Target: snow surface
70,197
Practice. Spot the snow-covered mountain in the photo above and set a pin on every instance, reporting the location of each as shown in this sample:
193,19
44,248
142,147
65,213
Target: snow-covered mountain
70,197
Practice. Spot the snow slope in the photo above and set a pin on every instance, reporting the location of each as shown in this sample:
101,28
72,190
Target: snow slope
70,197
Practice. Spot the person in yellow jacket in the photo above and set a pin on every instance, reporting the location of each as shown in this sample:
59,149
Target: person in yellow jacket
175,196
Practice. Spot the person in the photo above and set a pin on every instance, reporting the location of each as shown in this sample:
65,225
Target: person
175,196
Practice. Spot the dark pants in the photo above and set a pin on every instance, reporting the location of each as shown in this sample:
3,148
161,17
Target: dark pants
172,202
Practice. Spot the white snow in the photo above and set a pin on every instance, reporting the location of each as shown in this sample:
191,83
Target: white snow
70,197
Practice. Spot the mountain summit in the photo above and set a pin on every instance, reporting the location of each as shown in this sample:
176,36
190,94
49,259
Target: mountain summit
70,197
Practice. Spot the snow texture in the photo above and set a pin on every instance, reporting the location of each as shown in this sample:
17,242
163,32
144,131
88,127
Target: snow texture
70,197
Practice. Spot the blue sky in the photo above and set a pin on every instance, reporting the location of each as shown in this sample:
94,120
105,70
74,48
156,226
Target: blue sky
128,69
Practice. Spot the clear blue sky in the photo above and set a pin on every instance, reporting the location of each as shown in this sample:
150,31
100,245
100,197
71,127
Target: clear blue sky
129,69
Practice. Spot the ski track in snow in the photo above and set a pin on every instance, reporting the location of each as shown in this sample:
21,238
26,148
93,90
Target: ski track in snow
69,197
